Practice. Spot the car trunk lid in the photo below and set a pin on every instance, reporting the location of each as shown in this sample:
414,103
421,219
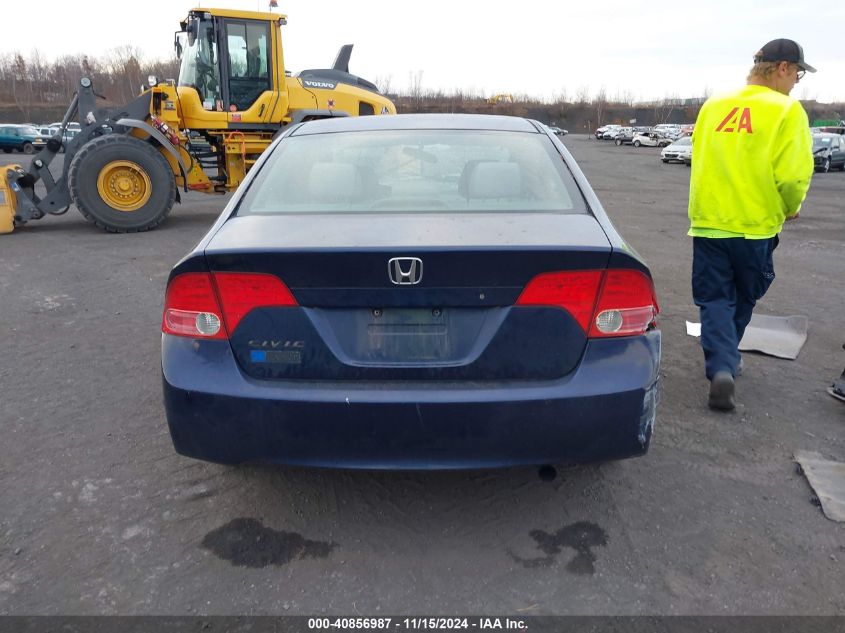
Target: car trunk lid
428,296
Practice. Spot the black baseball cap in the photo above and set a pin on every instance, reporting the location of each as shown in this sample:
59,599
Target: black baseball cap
783,50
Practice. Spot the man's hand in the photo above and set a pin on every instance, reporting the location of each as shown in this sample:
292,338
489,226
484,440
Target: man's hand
793,217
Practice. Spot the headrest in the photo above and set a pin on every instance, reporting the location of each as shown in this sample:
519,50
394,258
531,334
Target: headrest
488,180
334,182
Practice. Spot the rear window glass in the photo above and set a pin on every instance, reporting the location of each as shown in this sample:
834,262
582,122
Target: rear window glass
411,171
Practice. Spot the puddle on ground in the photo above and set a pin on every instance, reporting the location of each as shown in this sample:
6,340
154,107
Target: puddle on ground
248,543
582,537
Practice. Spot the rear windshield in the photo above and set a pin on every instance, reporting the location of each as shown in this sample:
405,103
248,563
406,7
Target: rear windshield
411,171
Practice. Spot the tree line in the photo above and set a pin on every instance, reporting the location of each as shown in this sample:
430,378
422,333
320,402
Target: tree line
34,89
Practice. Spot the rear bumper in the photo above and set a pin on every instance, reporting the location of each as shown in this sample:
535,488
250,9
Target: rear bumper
605,410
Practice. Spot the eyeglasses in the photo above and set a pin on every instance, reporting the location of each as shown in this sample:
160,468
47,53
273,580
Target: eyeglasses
799,74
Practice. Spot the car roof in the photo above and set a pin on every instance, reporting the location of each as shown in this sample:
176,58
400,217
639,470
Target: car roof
417,122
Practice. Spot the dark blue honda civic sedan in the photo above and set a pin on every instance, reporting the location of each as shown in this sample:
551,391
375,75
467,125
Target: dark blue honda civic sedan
412,292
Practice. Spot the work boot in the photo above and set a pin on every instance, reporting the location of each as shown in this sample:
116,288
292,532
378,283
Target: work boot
722,392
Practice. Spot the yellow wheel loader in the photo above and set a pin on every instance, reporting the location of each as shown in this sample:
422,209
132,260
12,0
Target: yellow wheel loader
127,166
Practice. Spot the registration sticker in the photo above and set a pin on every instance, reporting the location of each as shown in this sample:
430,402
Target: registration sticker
286,357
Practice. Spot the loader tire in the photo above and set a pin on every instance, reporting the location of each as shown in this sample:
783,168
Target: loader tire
122,184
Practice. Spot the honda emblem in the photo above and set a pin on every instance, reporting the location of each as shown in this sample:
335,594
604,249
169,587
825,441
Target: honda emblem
405,271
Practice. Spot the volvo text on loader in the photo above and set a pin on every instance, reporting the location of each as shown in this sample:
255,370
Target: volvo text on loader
126,167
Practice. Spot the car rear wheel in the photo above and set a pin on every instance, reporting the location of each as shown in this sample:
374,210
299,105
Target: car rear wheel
619,141
6,150
28,148
826,166
637,143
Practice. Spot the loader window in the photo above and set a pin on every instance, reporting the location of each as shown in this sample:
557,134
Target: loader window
249,76
201,67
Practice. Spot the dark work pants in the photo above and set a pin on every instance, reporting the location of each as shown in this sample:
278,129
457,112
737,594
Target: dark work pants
729,276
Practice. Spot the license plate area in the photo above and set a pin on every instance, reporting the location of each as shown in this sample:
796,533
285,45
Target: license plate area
408,335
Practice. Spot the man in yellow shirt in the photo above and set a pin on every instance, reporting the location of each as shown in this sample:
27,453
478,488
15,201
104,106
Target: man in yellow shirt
752,166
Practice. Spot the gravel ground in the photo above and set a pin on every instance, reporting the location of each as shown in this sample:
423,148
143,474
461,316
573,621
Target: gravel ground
100,516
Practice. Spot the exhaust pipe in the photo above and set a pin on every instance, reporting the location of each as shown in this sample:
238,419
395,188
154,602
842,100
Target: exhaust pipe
547,473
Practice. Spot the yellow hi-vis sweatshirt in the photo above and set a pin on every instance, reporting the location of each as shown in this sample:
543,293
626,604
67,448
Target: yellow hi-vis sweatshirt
752,163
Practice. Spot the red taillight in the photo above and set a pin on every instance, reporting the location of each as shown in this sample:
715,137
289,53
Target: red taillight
574,291
191,308
608,303
241,292
203,305
626,305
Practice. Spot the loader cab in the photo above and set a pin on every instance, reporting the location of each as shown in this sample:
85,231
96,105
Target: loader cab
233,62
200,68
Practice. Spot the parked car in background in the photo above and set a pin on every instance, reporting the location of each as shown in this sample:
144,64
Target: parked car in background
668,130
678,150
69,134
49,132
829,152
829,129
604,131
23,138
364,302
558,131
72,125
610,132
45,134
613,132
625,136
650,139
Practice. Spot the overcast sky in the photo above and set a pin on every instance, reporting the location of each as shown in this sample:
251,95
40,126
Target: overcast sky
541,49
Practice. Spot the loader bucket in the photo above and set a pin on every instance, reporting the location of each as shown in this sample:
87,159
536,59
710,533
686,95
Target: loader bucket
8,199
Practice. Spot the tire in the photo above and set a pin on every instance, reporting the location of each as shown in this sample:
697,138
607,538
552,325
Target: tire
7,150
28,148
826,166
114,161
637,143
618,142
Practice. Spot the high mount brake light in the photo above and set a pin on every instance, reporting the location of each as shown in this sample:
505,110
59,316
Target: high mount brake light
617,302
210,305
